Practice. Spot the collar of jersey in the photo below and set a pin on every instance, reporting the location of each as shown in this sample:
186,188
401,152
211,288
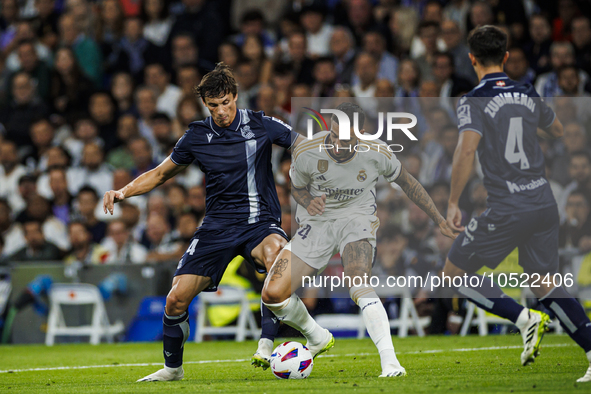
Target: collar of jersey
234,126
494,77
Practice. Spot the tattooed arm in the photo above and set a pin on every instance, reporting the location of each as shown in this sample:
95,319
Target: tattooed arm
417,193
314,205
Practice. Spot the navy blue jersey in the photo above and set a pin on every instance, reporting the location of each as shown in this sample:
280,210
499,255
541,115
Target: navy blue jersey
507,114
236,162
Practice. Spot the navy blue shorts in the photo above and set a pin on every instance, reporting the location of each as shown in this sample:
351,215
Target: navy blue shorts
211,250
489,238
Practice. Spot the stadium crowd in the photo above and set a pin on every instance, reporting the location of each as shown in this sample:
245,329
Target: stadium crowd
95,93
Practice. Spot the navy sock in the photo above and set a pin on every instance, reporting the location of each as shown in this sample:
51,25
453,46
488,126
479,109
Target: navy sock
269,323
491,298
571,315
176,332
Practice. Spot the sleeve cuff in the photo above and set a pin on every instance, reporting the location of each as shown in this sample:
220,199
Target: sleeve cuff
474,130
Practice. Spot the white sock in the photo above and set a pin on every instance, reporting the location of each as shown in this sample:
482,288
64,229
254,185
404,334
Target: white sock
293,312
265,346
522,319
171,370
377,323
589,356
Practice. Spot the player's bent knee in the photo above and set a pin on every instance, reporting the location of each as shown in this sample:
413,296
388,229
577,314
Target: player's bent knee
175,305
273,294
450,269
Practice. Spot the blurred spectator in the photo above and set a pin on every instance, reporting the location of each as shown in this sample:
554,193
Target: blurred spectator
366,69
266,102
37,249
158,236
573,140
102,111
575,232
190,109
141,152
253,23
109,25
517,66
375,44
146,101
121,246
93,171
132,52
420,231
428,33
561,54
481,14
253,52
39,209
439,193
42,134
87,52
409,76
302,64
127,128
87,201
162,128
325,78
318,32
47,22
457,11
478,196
342,48
580,172
8,21
122,91
184,51
403,27
8,229
537,49
10,171
26,58
61,205
248,87
581,33
437,165
70,87
157,21
282,82
187,77
452,36
18,114
84,250
169,95
451,84
201,19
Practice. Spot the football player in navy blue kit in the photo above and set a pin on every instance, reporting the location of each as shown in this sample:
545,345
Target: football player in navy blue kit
501,119
243,216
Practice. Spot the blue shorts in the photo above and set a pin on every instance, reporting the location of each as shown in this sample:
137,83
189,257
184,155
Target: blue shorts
489,238
211,250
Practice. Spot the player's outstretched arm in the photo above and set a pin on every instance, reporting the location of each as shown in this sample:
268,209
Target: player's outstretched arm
417,193
142,184
314,205
462,166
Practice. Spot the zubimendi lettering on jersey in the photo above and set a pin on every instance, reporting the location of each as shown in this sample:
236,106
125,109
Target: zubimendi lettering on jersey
498,101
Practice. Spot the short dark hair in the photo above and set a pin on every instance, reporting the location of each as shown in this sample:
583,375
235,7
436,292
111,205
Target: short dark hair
349,109
580,192
88,189
161,116
217,83
488,45
252,15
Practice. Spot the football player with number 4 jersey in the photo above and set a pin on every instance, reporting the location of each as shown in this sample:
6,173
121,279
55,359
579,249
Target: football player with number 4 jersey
333,182
501,120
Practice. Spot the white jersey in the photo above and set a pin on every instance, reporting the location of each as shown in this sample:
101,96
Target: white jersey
349,185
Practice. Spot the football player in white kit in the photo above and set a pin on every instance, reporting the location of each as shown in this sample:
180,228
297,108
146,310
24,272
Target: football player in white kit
333,182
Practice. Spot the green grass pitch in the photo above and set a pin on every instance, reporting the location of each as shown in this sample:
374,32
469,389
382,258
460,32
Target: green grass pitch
434,364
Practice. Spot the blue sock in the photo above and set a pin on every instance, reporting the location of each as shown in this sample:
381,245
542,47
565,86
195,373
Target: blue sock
269,323
491,298
571,315
176,332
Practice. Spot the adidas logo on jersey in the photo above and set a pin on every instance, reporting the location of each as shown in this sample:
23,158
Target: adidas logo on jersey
320,178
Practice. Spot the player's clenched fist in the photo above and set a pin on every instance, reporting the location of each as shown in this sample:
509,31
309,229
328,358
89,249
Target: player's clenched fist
111,197
317,205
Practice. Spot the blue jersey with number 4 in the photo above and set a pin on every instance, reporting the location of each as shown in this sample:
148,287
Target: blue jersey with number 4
507,114
236,161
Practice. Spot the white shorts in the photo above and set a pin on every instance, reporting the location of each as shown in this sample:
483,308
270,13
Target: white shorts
316,241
